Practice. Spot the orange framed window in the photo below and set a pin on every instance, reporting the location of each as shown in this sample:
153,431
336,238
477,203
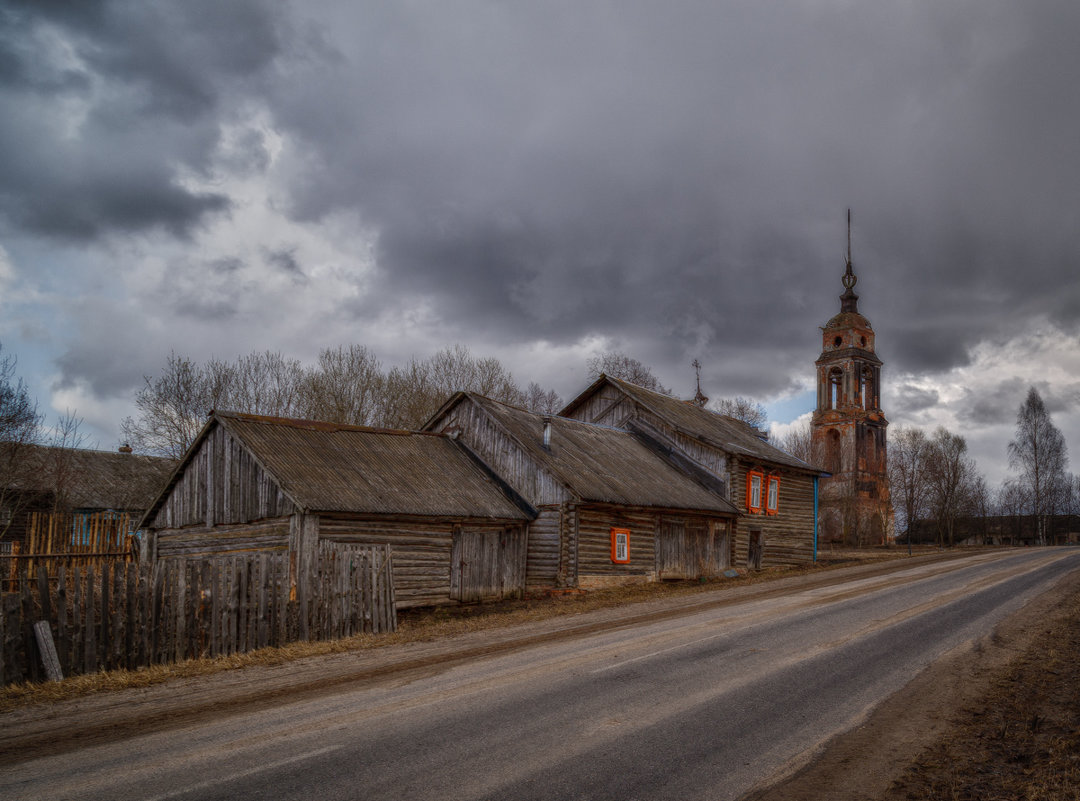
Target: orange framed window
772,495
620,545
755,482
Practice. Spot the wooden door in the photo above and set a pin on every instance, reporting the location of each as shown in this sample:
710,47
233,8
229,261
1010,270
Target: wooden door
487,563
690,548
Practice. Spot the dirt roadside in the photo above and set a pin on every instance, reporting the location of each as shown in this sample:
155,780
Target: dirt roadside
996,719
892,739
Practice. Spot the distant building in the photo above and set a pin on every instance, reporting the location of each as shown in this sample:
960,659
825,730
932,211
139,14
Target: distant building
848,427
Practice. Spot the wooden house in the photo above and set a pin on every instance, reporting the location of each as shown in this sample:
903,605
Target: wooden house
613,505
775,492
75,482
252,483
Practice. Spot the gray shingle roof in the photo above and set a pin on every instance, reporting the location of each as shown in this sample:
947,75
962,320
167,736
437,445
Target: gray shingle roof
603,464
328,467
721,431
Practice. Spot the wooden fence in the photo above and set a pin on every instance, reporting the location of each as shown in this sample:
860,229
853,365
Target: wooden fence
129,616
72,540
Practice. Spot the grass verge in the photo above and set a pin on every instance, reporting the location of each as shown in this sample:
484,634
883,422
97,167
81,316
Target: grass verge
1021,741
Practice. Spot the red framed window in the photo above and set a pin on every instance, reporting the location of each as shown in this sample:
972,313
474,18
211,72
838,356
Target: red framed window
755,483
772,495
620,545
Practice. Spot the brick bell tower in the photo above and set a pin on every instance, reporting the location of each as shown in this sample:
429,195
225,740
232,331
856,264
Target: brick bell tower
848,427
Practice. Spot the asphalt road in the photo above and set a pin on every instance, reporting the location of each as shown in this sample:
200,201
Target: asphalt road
708,705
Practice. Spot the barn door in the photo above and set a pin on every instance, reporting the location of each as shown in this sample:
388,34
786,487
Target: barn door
487,563
690,548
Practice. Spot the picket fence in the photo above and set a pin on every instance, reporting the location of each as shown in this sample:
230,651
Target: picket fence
129,616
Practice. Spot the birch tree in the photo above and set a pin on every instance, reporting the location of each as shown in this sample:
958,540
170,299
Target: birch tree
1039,454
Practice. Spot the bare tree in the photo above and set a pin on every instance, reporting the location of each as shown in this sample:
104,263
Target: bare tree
346,386
1039,453
799,442
950,473
542,401
621,366
265,383
19,432
63,440
172,407
750,412
417,390
909,482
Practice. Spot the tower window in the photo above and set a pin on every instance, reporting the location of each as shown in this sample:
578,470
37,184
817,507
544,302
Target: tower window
835,383
838,342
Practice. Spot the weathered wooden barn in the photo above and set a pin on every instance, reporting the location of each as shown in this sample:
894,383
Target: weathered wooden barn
613,505
775,491
252,483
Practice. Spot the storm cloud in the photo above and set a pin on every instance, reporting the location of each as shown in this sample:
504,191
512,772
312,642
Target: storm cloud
523,178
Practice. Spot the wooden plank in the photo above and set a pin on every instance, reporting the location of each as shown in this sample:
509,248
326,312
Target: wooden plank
47,650
89,642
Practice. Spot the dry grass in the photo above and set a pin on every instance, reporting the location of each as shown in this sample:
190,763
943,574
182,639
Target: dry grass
1023,739
423,625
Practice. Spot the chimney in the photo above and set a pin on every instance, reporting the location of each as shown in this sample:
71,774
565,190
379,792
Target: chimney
547,432
125,448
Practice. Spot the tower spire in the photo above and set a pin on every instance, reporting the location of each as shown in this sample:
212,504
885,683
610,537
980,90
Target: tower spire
849,301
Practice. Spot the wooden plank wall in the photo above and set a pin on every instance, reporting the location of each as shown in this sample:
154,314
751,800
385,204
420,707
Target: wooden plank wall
789,534
221,484
611,407
264,535
691,546
594,524
487,563
504,456
128,616
422,549
542,562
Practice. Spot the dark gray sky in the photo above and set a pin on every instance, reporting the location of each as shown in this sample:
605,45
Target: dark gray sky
543,181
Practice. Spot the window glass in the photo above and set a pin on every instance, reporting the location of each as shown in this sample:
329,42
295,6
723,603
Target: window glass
773,502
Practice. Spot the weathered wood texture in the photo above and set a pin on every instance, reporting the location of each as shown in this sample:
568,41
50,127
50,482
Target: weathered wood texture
263,535
130,616
542,563
789,534
503,455
424,563
487,563
692,547
68,539
611,407
222,484
594,524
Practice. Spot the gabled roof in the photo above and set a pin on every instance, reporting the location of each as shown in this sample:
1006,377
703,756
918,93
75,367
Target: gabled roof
90,479
602,464
329,467
720,431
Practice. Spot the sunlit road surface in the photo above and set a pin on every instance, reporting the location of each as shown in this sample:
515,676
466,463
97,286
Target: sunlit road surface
708,705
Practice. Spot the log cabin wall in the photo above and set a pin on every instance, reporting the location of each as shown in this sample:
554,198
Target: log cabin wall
422,550
222,484
542,563
594,564
263,535
503,455
789,534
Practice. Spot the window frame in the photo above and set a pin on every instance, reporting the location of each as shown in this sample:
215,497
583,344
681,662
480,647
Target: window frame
772,495
620,536
751,477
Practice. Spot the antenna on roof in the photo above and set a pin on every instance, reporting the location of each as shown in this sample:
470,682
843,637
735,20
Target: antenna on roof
700,399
